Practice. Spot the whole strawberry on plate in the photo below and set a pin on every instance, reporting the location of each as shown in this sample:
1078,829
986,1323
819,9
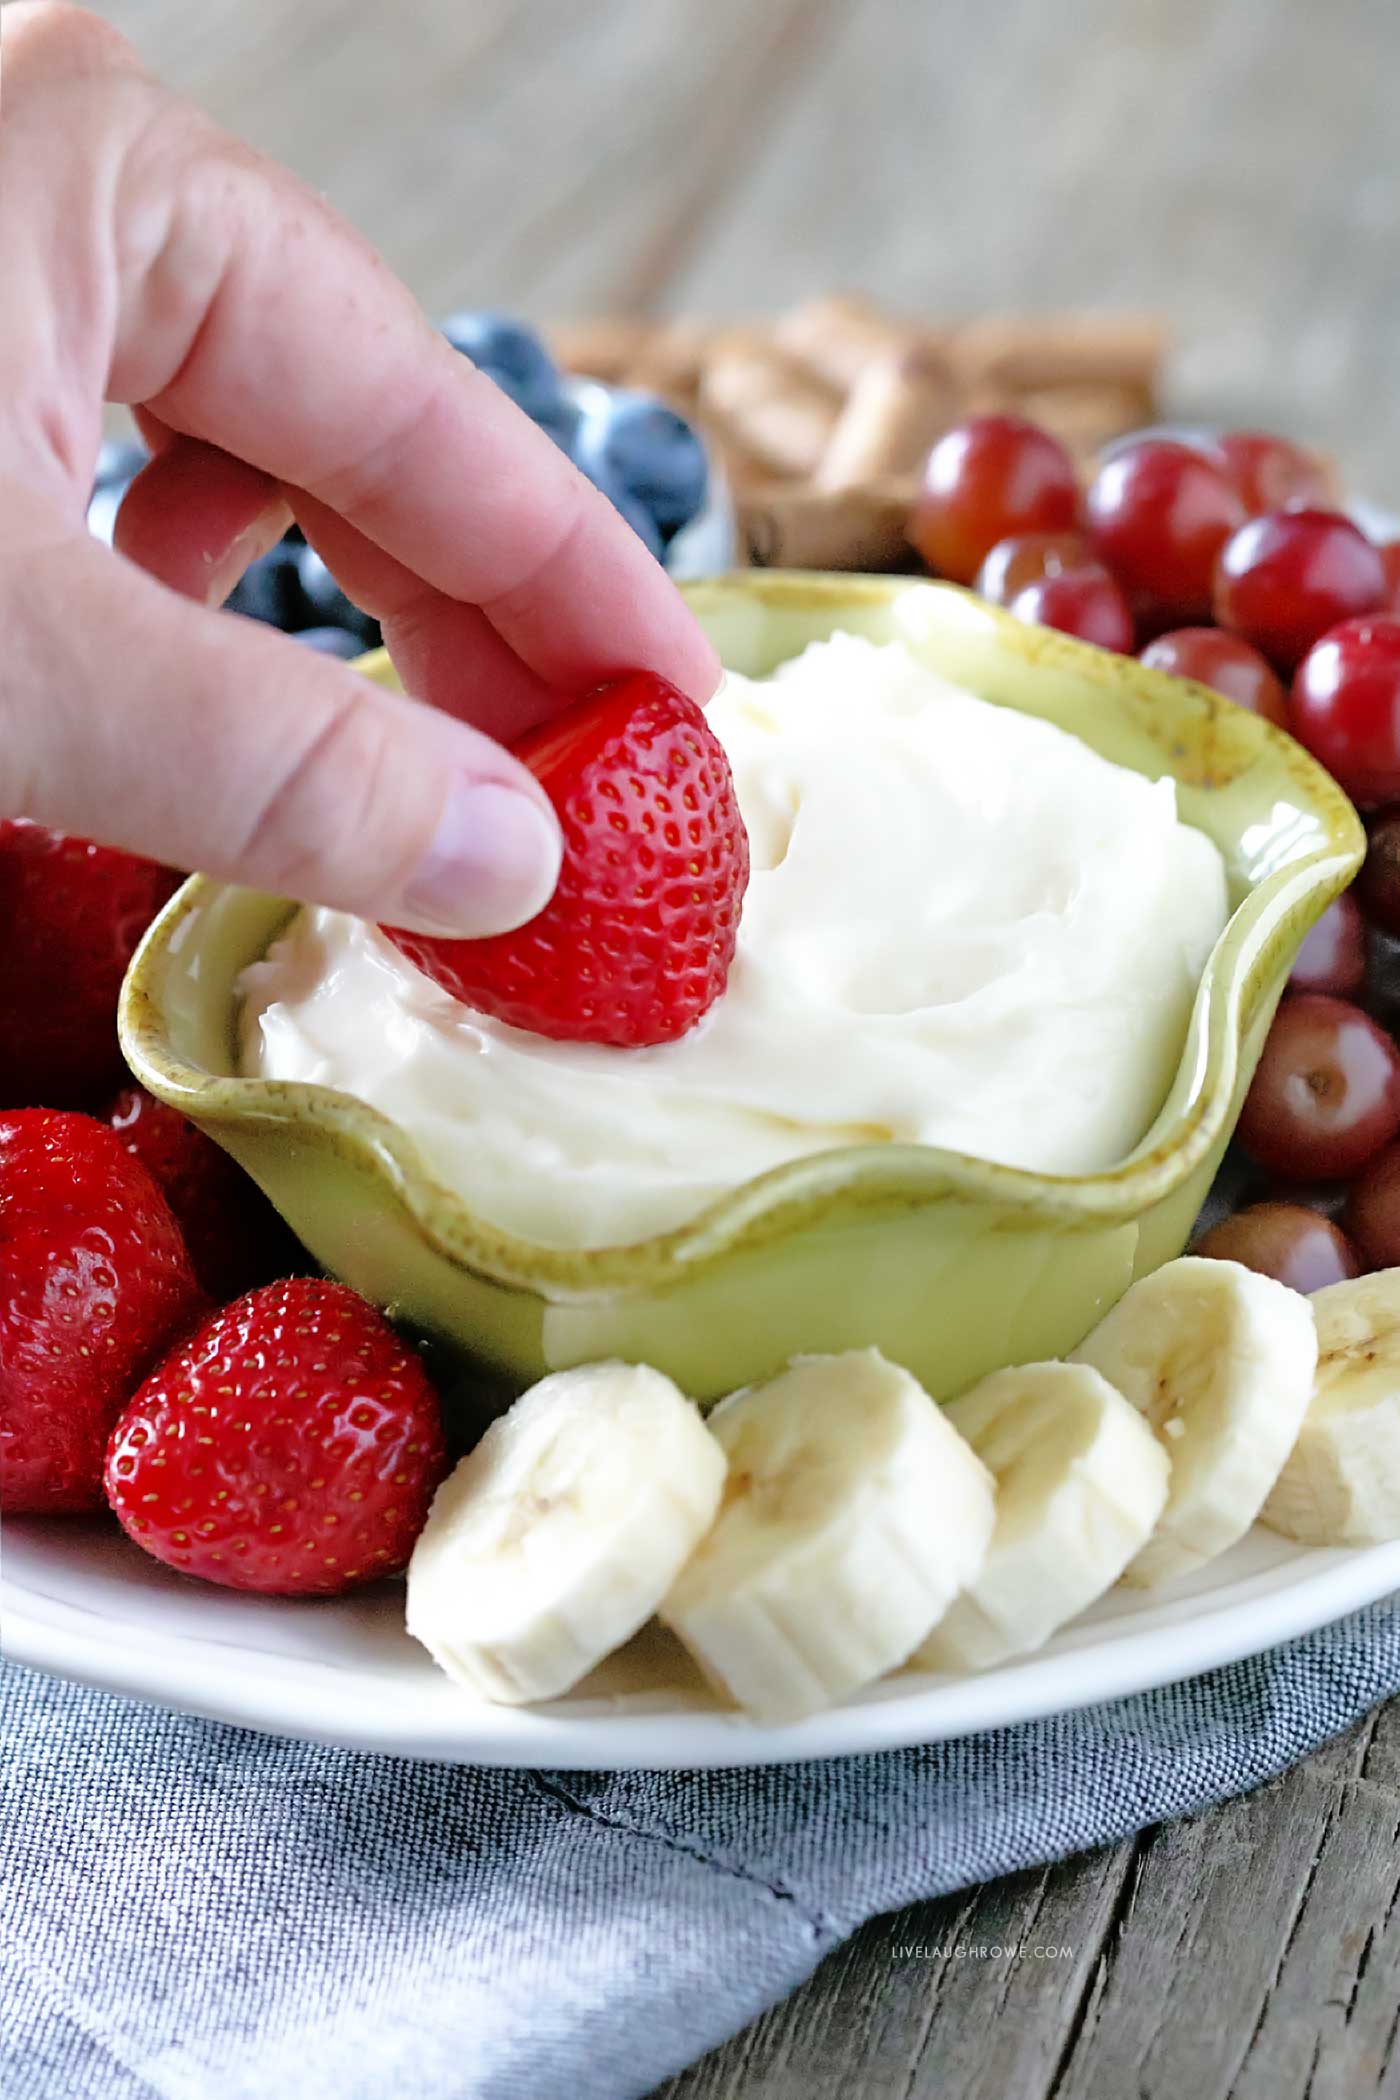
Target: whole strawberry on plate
94,1282
635,945
292,1445
71,914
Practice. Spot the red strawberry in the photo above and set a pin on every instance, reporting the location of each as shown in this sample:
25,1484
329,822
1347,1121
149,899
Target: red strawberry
94,1283
235,1237
293,1445
71,914
635,944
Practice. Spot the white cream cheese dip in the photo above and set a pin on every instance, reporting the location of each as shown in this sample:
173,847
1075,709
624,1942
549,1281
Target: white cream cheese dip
963,928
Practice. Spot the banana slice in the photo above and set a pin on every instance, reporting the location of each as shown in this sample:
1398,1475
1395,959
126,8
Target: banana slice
1080,1483
1220,1361
558,1536
853,1514
1341,1485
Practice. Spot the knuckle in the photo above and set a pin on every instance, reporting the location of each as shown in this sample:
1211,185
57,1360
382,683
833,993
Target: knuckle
356,486
573,513
341,814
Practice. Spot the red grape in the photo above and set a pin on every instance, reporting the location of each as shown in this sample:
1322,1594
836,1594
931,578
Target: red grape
1159,513
1372,1215
1223,662
1270,472
1378,884
1333,957
1285,1240
1345,707
1025,558
1284,579
1326,1096
986,479
1084,602
1390,562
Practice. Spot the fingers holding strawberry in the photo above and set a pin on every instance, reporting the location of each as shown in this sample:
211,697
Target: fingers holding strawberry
636,943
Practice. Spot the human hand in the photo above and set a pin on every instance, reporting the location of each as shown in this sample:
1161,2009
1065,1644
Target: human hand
276,368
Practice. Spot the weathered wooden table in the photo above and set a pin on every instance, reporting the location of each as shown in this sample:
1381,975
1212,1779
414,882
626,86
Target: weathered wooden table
1230,162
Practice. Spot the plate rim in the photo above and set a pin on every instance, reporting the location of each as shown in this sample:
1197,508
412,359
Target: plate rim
189,1674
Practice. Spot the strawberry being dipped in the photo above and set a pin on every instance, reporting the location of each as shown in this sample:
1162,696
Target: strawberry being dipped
94,1283
635,945
71,914
235,1237
292,1445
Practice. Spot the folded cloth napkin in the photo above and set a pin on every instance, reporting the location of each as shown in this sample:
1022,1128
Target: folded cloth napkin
200,1913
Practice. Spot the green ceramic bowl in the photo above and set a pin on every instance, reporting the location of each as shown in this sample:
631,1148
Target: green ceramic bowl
952,1265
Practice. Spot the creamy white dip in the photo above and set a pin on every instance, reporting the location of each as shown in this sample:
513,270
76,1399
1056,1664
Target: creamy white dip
963,928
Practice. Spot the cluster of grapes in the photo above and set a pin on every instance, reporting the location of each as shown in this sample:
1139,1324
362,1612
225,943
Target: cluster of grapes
1222,559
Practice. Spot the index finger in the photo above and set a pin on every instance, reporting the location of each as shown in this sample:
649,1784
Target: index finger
327,376
248,314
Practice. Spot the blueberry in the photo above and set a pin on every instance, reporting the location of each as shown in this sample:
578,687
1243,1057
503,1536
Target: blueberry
332,641
637,515
560,421
270,590
636,442
509,353
327,604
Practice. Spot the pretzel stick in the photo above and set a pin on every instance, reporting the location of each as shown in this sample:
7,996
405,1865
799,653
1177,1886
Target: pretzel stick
602,349
1054,350
893,413
769,406
838,336
791,525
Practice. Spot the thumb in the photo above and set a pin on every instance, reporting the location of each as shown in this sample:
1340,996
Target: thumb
133,716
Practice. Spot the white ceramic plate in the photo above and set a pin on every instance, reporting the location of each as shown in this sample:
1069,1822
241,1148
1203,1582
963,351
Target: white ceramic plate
78,1599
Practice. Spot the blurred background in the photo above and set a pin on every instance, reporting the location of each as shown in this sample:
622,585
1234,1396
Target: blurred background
1231,164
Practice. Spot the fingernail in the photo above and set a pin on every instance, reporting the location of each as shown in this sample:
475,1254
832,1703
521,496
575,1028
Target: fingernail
257,538
492,865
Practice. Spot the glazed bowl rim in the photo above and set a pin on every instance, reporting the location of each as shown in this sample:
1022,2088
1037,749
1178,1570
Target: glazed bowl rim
826,1186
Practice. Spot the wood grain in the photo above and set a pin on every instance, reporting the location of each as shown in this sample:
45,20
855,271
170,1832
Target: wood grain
1228,162
1247,1954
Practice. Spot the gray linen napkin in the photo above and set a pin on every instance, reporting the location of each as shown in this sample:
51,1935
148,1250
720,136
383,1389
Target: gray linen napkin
196,1912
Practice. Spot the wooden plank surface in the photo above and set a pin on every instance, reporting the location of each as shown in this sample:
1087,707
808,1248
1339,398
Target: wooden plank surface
1251,1953
1228,162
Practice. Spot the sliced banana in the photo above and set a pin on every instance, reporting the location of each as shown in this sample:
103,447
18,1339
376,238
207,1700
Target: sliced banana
558,1536
1220,1361
1341,1485
1080,1483
853,1514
